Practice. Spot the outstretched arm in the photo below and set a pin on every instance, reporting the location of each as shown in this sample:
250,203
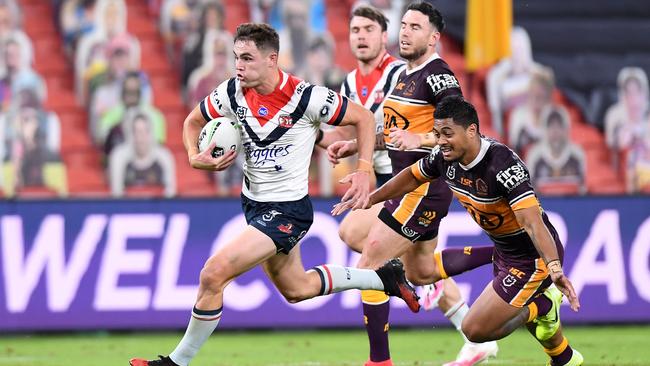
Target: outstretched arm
400,184
531,220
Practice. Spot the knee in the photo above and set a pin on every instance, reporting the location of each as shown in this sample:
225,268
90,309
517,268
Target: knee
215,274
351,237
420,276
474,332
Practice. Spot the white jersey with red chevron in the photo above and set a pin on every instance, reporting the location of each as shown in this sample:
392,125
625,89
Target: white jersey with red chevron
370,91
278,132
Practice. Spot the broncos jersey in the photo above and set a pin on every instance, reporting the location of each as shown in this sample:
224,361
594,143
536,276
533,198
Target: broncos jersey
370,91
278,132
491,188
411,104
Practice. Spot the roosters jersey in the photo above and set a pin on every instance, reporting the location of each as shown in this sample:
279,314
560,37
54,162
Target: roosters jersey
491,188
278,132
370,91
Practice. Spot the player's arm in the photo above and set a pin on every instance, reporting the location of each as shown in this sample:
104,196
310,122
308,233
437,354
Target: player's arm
364,123
405,181
327,137
192,127
530,218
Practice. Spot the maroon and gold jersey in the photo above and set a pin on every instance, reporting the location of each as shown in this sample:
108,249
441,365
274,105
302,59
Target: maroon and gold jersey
491,188
411,103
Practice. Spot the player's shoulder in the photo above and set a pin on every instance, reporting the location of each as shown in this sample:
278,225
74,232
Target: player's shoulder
499,153
437,65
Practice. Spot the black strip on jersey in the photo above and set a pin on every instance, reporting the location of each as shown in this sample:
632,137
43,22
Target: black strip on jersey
346,87
344,107
204,112
373,108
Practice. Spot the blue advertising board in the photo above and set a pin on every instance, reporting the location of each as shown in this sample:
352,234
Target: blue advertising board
121,264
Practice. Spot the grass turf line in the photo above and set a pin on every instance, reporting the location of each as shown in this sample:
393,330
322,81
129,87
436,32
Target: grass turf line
601,346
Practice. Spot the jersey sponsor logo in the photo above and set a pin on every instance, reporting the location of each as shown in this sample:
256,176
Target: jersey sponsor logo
263,111
364,91
285,120
267,155
486,220
426,218
287,229
324,111
393,118
512,177
410,233
301,88
269,216
442,82
466,181
216,100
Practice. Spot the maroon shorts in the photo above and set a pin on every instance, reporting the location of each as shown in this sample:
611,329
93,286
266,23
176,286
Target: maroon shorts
416,215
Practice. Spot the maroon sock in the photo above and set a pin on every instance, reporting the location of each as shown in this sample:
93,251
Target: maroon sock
544,304
563,357
376,325
458,260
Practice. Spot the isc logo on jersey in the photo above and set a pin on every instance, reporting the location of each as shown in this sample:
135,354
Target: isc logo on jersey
224,132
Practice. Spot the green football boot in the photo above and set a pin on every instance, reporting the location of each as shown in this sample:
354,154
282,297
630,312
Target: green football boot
548,324
576,360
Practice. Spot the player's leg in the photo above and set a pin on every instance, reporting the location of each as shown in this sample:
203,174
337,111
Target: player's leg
382,243
543,322
248,249
420,268
355,227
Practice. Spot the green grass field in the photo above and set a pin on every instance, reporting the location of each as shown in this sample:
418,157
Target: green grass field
600,345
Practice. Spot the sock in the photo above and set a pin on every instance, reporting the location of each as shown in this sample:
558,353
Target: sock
543,305
454,261
202,324
561,354
375,315
456,314
335,278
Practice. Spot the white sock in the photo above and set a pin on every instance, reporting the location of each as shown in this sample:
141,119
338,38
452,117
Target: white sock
335,278
456,314
202,324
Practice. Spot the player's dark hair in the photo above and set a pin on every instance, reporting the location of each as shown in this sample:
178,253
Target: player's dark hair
263,35
435,17
458,109
372,13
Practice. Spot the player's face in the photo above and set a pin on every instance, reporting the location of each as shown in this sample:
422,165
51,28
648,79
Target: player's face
367,40
453,139
252,65
416,35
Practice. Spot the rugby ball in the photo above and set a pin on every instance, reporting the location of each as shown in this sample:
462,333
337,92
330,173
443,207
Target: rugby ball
224,132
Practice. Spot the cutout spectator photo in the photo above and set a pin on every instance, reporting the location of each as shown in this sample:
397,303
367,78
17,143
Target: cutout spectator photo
141,165
557,165
624,120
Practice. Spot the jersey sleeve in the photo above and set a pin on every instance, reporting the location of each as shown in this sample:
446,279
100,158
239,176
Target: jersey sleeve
513,182
216,104
326,105
427,168
442,83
